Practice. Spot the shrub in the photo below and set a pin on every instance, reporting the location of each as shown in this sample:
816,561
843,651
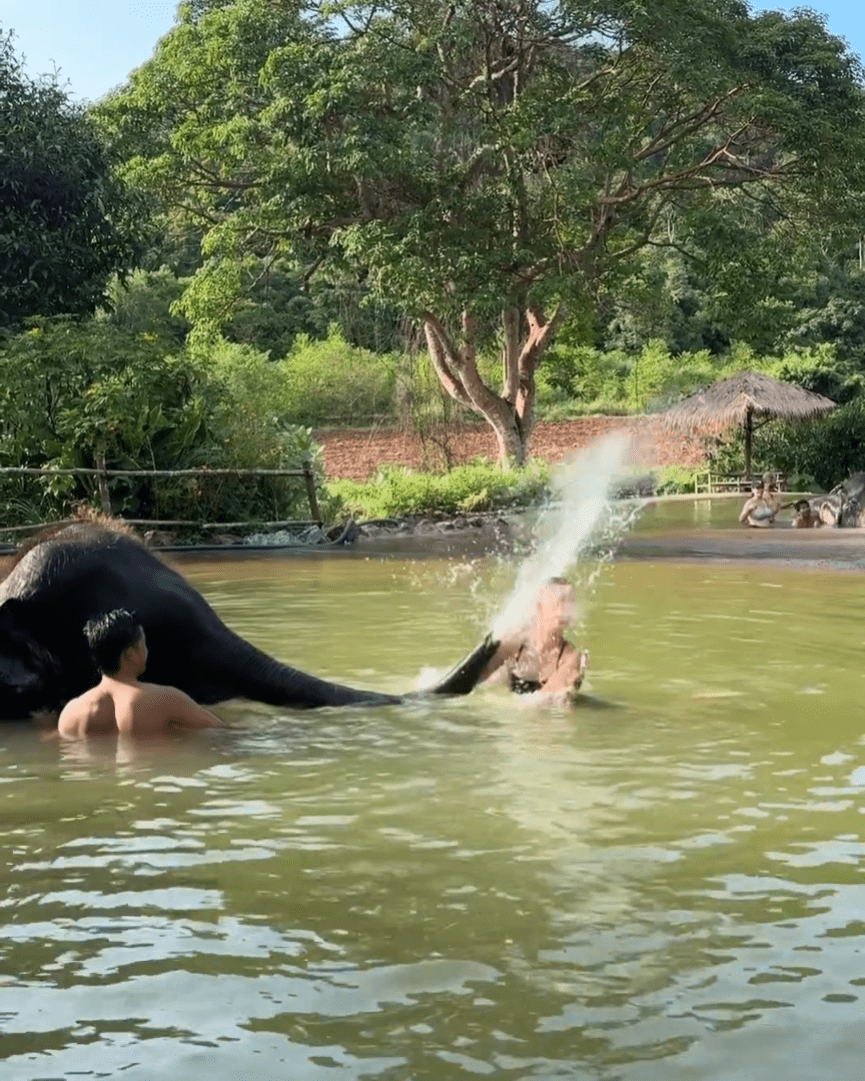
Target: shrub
477,486
827,450
576,380
330,382
97,391
659,379
581,373
143,304
676,480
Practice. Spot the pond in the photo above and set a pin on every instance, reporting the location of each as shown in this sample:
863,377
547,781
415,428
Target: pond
666,883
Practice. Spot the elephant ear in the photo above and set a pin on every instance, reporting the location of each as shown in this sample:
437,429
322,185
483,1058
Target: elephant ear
18,632
17,637
12,616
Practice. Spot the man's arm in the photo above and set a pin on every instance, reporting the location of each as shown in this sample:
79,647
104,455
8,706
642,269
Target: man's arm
67,722
749,506
183,711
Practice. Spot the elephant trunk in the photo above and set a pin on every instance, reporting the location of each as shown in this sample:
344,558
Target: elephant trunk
238,670
464,677
242,671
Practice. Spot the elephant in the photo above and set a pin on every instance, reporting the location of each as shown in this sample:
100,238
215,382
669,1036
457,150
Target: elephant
61,579
844,506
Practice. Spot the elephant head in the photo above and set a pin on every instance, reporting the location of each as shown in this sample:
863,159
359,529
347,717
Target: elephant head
844,506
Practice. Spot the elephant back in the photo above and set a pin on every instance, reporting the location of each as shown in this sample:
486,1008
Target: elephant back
54,560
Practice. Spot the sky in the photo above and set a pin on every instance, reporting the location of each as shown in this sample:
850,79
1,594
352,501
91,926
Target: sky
95,44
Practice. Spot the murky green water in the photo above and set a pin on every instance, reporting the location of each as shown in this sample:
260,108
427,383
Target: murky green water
670,888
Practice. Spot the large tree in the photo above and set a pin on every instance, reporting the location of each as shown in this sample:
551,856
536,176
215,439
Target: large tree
66,224
487,165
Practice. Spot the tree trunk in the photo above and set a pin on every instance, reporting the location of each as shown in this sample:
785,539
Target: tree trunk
511,414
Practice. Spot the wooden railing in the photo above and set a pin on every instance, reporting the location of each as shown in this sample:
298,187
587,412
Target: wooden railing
103,476
711,483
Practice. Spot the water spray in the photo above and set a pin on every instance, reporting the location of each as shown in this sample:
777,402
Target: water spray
579,519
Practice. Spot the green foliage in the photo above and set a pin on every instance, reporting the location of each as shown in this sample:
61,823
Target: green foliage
579,380
143,304
478,486
252,410
827,450
330,382
830,307
71,394
676,480
818,369
506,156
617,381
66,224
658,379
663,297
805,287
582,373
253,427
75,390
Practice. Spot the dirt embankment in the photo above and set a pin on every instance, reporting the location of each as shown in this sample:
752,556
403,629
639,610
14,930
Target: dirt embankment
357,453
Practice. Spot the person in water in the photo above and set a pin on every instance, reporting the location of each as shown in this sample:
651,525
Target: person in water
804,516
120,703
538,658
760,510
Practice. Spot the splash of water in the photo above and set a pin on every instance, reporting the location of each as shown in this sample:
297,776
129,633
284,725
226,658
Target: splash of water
580,517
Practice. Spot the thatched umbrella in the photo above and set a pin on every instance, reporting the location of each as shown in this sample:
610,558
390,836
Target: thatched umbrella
741,399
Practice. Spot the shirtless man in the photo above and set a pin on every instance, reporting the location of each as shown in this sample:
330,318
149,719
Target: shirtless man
119,702
804,516
539,659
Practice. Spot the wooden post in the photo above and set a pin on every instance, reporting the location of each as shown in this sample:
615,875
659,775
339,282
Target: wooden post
102,480
315,514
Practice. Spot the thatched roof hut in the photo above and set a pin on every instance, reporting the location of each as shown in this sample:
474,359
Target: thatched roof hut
740,400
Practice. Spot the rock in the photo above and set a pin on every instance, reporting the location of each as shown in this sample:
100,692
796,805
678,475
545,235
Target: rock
227,539
160,538
346,532
282,538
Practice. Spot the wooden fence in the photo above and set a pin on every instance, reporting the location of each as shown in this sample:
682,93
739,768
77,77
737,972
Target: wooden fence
103,476
709,483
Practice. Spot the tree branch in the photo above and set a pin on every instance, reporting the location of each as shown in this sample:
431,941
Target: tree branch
686,126
438,355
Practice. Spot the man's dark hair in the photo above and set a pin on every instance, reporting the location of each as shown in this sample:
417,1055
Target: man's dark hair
109,635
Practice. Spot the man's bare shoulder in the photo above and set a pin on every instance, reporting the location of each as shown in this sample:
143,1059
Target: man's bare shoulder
89,713
91,697
171,705
161,692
